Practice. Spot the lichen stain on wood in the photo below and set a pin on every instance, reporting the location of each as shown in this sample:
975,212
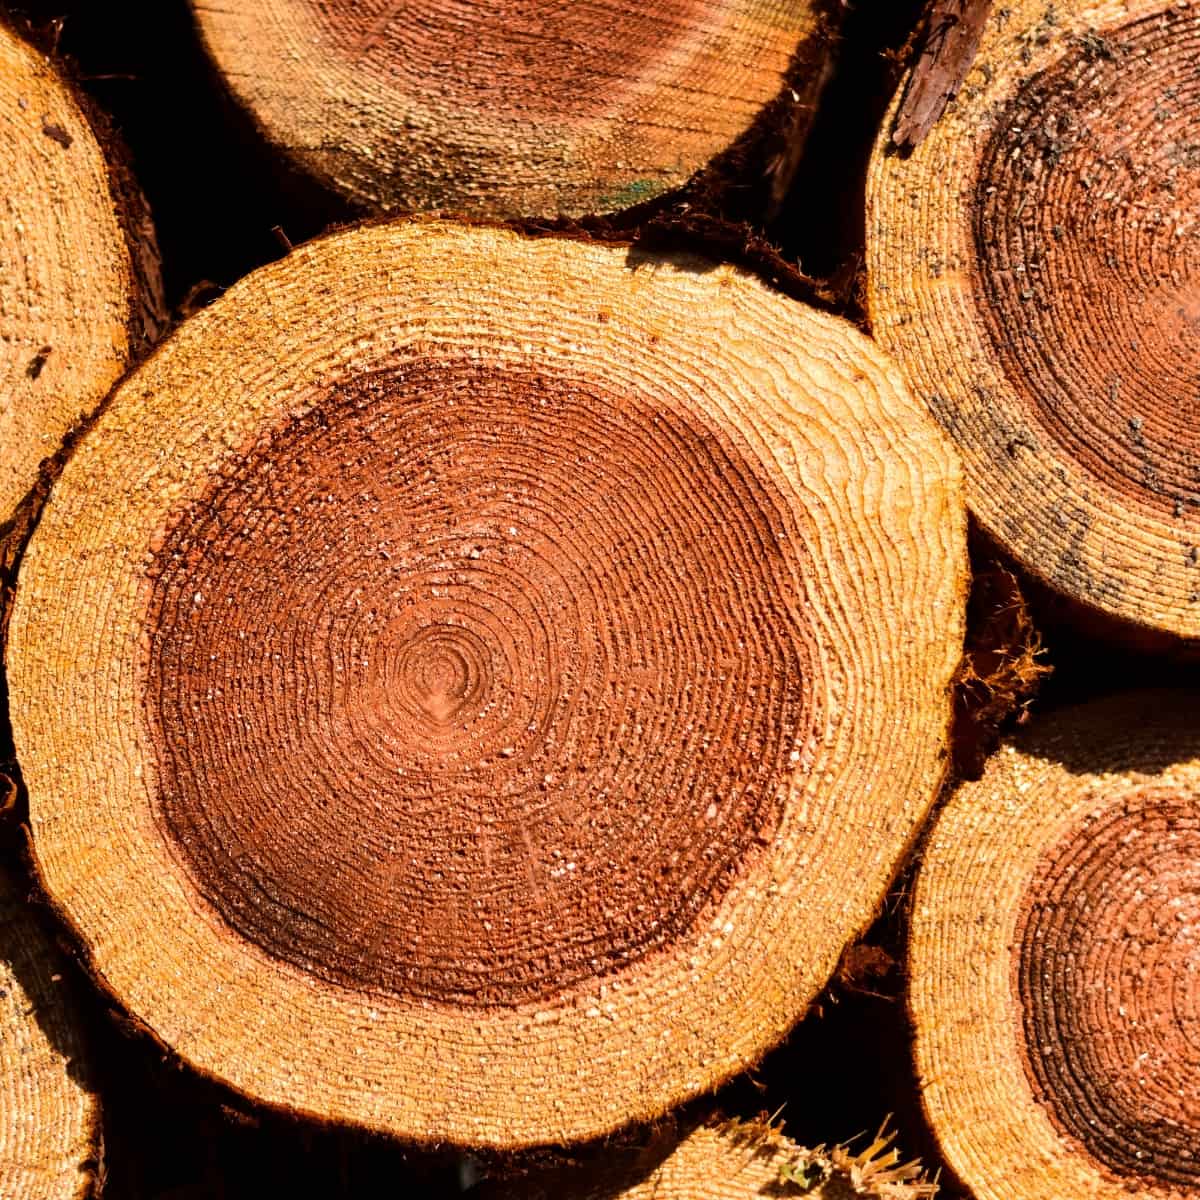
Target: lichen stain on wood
953,29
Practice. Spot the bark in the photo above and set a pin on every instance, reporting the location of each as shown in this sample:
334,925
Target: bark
949,44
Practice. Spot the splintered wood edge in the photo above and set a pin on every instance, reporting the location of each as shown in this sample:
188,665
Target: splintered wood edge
1059,520
723,1159
813,401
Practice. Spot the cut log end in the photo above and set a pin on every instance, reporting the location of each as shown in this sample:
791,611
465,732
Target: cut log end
1087,186
731,1160
530,669
522,679
1058,904
537,55
523,109
1114,909
79,290
49,1115
1034,267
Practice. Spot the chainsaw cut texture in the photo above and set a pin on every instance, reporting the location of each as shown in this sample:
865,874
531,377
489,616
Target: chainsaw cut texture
1055,990
49,1115
79,293
525,108
502,675
1034,268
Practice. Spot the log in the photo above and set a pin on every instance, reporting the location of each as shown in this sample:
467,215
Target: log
1053,962
1033,269
503,674
79,290
512,110
729,1160
49,1113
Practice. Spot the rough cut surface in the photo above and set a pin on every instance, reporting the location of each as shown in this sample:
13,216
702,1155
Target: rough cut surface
501,674
1055,942
522,108
49,1117
1034,266
78,274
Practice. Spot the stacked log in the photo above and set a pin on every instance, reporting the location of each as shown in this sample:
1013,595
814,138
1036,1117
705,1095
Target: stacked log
515,110
79,290
50,1137
1032,268
474,682
503,675
1054,984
